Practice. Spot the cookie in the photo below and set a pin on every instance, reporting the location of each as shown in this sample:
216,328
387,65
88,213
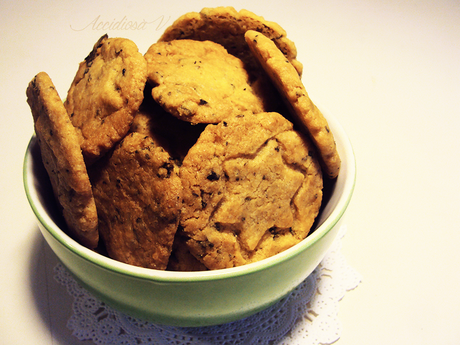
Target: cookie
63,160
252,188
105,94
290,86
138,196
174,135
199,82
227,27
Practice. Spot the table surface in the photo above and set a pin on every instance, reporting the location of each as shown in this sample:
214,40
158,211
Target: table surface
388,70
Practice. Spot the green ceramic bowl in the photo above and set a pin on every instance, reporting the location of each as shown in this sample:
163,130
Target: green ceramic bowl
192,298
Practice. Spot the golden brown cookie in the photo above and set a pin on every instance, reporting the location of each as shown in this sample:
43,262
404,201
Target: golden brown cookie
105,94
290,86
199,82
252,188
138,195
227,27
63,160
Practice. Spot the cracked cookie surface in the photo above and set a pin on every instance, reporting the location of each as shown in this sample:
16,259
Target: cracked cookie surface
252,188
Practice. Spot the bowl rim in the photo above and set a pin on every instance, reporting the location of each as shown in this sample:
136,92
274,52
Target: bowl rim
196,276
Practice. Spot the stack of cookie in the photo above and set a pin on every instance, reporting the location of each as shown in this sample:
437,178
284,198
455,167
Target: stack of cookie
204,153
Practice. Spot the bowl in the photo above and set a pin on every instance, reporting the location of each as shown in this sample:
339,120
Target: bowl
192,299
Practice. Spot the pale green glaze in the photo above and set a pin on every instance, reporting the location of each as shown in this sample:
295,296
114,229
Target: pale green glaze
193,298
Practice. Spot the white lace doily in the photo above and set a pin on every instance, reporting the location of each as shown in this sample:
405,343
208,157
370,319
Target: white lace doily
308,316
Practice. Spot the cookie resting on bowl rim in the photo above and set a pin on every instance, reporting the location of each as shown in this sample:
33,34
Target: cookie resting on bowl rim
192,299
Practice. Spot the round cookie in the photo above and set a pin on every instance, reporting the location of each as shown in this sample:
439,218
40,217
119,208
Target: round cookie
290,86
199,82
227,27
105,94
63,160
252,188
138,195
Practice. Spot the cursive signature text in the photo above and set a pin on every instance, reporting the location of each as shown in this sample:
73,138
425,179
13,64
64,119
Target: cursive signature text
123,24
